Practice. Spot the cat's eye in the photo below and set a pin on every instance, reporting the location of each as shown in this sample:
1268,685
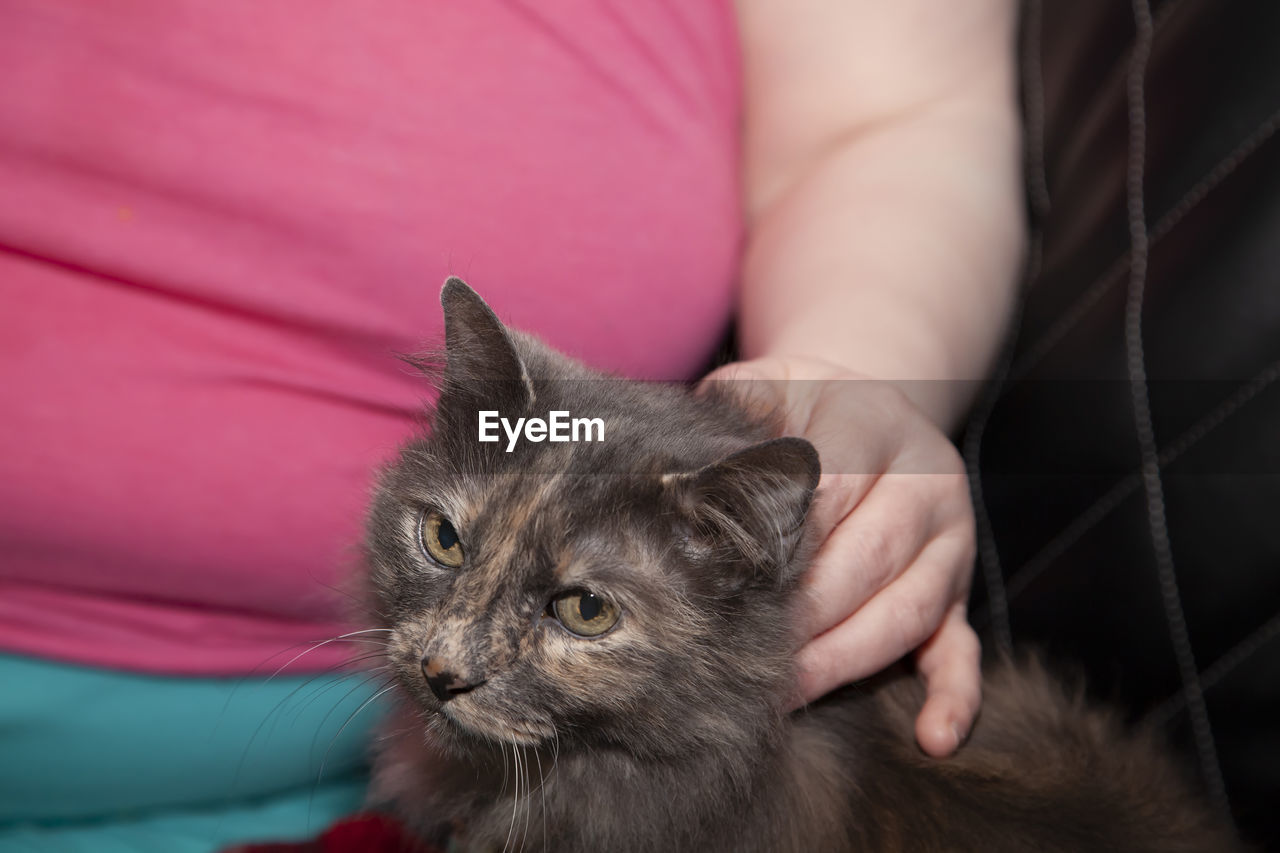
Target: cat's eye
585,613
440,539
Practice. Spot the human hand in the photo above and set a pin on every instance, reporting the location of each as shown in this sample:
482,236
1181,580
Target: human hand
896,523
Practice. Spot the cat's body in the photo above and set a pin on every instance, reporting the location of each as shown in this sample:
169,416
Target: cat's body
1041,773
593,649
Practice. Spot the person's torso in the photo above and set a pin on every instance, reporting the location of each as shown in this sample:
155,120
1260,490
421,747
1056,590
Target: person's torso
218,225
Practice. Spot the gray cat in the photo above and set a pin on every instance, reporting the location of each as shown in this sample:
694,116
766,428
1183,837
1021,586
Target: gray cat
592,647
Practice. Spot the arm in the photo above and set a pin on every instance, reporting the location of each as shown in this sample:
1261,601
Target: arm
883,200
882,187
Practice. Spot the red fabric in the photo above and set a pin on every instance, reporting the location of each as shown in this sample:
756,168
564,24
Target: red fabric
362,833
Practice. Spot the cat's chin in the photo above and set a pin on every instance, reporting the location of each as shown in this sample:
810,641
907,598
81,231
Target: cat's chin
473,728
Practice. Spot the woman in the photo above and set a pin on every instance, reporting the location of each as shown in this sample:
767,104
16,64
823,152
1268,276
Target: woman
219,223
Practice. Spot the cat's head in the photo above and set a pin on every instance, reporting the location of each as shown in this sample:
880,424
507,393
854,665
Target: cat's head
633,591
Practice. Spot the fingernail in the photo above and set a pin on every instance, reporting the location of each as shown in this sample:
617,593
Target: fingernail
955,729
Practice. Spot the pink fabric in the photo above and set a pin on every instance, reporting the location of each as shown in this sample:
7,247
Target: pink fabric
219,220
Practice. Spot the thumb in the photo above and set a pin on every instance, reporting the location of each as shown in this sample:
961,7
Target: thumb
732,372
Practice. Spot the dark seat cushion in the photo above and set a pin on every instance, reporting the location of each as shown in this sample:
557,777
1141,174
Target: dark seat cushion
1130,453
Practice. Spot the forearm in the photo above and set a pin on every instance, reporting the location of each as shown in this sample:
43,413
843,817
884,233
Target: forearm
895,258
889,242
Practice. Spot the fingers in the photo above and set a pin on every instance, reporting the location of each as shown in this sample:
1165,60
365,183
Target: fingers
951,667
898,619
867,550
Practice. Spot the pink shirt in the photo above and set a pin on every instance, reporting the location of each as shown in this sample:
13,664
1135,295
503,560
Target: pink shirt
219,221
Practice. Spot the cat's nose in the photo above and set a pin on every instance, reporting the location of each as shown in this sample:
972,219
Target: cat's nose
443,683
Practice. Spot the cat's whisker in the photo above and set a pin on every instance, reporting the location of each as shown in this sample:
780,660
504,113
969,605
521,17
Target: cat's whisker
282,705
528,799
358,667
338,679
366,703
515,800
542,789
338,675
555,751
360,606
231,696
521,793
503,746
320,774
323,643
372,675
504,775
521,799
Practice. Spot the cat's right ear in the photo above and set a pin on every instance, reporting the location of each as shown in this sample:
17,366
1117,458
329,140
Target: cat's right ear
481,358
748,510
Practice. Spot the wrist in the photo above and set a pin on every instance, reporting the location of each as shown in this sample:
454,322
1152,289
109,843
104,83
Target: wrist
942,398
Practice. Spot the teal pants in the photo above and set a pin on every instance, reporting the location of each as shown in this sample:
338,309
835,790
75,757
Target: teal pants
107,762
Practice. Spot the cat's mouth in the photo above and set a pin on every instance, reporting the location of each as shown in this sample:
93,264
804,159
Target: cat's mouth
477,723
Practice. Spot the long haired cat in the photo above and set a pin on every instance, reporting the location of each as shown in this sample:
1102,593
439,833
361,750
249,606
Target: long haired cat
592,645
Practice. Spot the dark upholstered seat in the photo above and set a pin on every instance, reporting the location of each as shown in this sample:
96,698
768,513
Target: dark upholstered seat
1130,449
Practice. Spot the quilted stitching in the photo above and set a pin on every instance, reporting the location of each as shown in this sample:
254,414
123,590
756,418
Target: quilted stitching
1129,266
1026,574
1116,271
1139,245
1265,633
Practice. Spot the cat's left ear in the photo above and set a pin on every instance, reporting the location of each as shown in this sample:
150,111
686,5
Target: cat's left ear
481,356
747,511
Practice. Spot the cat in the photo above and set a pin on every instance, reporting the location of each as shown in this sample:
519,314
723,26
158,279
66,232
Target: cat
592,649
